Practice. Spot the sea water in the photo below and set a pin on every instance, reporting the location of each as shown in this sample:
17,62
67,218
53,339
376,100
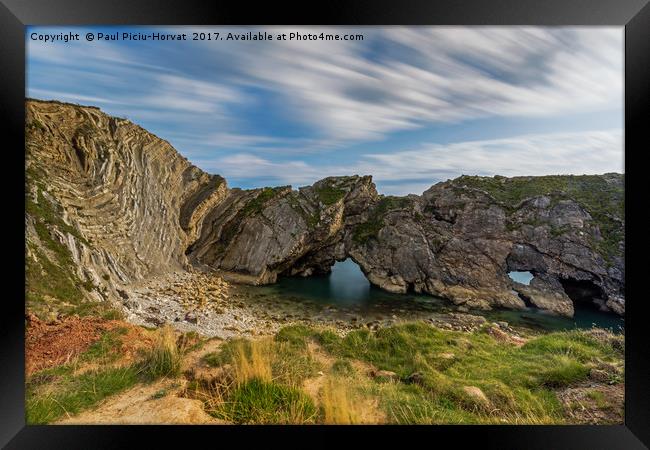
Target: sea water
347,289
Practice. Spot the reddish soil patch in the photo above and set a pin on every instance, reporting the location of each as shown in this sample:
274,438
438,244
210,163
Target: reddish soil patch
49,344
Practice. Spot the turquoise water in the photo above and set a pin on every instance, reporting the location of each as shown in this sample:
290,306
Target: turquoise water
348,290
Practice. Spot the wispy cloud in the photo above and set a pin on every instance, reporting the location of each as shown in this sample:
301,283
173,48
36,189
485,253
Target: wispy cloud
438,74
69,96
413,171
189,95
288,112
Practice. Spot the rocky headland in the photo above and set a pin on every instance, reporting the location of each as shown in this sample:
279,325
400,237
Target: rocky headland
144,302
110,206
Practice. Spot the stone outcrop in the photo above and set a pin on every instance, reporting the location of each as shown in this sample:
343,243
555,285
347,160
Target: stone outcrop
138,208
128,204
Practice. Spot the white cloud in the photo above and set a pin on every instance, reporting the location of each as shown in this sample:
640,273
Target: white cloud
423,75
589,152
205,96
435,74
188,94
244,165
68,96
413,171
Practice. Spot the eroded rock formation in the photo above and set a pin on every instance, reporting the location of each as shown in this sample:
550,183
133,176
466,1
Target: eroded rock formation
128,206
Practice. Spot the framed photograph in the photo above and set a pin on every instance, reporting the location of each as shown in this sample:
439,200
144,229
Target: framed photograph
375,219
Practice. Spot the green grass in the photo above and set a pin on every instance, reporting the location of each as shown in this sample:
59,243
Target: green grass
259,402
50,214
434,368
104,349
328,194
257,204
576,344
59,391
564,372
519,382
50,284
295,335
290,364
159,394
252,208
163,359
69,394
342,367
599,399
52,279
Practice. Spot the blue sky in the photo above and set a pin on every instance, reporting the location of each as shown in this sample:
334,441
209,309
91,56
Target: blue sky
409,105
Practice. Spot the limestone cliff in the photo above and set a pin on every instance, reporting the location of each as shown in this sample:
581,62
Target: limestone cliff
107,203
118,204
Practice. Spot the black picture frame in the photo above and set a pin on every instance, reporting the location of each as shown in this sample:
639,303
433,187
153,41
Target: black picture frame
634,15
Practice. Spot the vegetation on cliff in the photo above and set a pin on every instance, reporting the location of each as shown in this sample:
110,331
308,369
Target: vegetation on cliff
371,227
602,196
50,272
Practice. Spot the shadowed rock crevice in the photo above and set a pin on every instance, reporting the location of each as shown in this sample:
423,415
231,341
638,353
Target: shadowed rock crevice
585,293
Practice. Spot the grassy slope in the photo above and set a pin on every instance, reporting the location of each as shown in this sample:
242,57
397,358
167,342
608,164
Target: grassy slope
519,382
95,375
267,380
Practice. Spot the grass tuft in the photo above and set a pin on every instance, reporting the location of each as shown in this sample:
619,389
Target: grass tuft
163,359
252,361
337,403
262,402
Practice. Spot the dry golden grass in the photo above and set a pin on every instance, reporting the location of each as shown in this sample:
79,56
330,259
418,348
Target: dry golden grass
253,364
163,359
337,403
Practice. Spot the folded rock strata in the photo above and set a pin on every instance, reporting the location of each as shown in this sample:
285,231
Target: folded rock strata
124,205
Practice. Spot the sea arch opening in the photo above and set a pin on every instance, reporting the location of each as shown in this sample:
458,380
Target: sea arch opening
584,293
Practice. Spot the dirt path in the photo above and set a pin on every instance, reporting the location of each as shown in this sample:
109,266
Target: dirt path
156,403
312,386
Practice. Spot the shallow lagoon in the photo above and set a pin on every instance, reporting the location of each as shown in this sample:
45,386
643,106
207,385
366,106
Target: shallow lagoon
348,293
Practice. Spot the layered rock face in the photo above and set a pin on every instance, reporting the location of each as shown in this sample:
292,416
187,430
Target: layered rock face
143,209
126,204
456,240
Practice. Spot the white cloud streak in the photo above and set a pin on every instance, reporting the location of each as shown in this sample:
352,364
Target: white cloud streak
413,171
345,92
437,74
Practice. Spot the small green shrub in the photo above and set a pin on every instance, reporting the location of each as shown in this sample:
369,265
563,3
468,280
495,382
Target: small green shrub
296,335
329,194
563,372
